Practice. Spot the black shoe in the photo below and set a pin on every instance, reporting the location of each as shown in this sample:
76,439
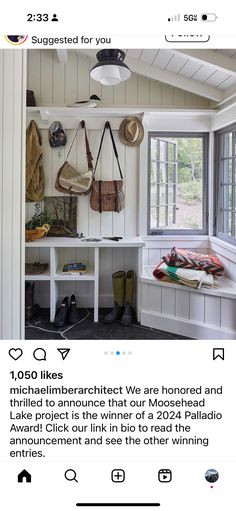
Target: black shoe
61,316
115,314
73,315
31,312
31,308
128,315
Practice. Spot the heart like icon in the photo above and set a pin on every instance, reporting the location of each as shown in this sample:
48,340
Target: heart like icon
15,353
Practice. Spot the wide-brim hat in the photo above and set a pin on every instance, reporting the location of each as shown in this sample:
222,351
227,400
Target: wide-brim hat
131,131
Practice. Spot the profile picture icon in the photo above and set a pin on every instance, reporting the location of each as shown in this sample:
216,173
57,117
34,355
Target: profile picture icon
211,475
16,40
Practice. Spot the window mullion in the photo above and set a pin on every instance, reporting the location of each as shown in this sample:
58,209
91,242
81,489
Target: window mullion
233,188
166,184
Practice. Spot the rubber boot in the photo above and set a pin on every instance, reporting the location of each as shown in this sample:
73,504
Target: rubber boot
62,313
118,282
31,309
128,314
73,315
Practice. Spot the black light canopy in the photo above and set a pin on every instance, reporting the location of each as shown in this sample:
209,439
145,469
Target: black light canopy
110,68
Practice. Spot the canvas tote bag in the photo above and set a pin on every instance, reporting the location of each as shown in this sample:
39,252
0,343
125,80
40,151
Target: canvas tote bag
72,181
108,195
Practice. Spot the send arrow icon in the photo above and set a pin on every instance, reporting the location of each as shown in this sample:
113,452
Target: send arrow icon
64,352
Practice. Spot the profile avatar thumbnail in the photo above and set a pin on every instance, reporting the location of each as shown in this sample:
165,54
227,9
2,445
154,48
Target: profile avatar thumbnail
16,39
211,475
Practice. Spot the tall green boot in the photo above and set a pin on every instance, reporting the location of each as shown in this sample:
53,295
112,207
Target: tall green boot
129,295
118,282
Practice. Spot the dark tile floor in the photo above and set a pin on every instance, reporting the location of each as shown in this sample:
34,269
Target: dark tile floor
87,329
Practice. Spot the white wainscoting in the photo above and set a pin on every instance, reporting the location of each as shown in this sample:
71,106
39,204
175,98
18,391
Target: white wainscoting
186,312
12,125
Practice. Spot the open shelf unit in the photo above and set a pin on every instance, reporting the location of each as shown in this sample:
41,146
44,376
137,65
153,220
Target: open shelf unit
83,251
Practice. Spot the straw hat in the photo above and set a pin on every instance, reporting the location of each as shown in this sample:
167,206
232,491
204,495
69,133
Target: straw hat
131,131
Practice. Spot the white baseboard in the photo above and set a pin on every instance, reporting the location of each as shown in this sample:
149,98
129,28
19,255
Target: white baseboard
184,327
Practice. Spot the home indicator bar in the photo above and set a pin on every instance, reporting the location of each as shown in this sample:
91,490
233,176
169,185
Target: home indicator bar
123,504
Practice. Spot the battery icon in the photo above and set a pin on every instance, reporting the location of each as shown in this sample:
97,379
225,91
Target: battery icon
209,16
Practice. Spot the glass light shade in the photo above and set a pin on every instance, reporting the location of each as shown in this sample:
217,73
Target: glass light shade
110,74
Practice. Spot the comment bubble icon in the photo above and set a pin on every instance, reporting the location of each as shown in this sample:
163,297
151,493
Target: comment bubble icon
40,354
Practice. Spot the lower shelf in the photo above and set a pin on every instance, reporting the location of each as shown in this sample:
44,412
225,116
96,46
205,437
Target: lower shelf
40,277
60,275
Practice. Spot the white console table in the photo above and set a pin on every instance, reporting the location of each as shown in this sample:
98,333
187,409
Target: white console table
55,274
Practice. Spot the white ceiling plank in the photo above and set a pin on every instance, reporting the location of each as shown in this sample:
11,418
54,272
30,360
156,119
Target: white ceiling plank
134,54
212,59
203,74
227,83
217,78
189,68
163,58
175,80
176,63
62,56
148,56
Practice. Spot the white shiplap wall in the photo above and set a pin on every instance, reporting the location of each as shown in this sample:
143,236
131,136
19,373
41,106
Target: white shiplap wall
90,222
12,105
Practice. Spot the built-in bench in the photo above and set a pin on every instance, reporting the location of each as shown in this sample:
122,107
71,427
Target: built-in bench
196,313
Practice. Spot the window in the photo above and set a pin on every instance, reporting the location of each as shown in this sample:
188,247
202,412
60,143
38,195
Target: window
177,183
226,184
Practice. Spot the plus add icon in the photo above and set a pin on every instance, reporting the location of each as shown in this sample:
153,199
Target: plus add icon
118,475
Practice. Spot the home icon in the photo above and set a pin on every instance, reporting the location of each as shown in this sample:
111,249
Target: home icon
24,476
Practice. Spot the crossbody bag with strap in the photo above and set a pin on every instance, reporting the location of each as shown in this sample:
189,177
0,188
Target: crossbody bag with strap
108,195
73,181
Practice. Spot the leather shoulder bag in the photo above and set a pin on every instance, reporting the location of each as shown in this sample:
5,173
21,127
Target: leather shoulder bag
73,181
108,195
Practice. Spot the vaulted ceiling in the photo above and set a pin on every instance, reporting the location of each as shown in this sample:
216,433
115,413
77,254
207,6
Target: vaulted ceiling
208,73
211,72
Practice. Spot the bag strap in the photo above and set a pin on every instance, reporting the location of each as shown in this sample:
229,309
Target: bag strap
117,209
108,126
100,196
88,152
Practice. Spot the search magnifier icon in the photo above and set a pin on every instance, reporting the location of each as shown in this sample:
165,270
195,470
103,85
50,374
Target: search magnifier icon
70,475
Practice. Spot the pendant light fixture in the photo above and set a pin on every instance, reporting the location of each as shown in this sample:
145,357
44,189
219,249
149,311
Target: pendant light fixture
110,68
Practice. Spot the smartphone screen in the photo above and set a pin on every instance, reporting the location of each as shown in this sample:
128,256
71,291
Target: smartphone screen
117,242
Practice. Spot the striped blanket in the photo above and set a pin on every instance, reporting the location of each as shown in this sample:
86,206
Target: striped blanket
185,276
182,258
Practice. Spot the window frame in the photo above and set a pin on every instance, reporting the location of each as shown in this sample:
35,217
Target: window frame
205,214
218,204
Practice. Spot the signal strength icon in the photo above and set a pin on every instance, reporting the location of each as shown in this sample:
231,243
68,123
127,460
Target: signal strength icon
174,18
